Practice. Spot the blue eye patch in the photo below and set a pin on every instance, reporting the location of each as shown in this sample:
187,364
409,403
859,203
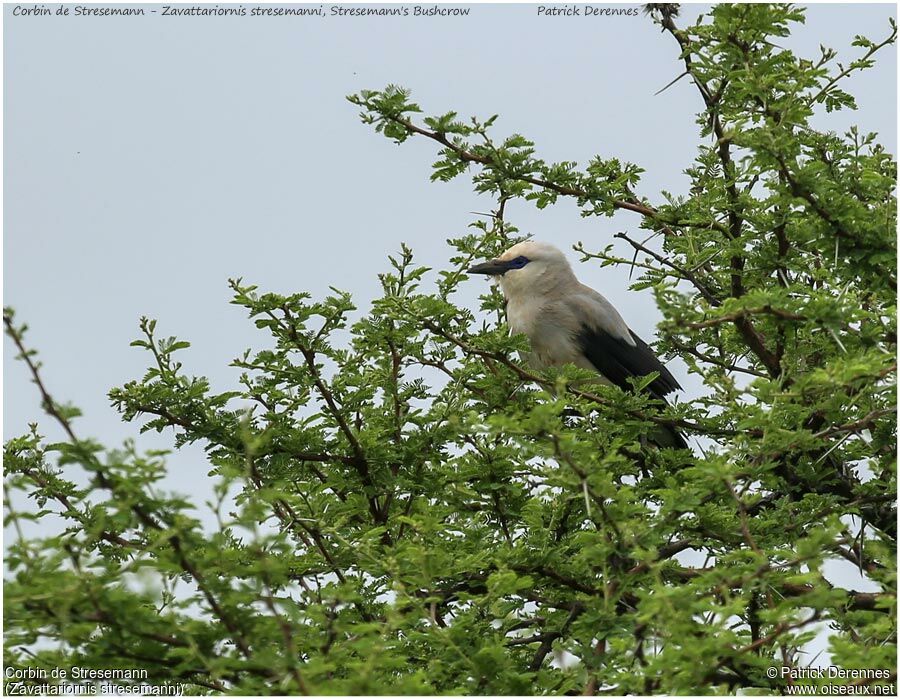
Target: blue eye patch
518,262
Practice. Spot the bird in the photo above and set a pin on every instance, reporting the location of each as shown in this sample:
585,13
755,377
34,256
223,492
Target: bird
567,322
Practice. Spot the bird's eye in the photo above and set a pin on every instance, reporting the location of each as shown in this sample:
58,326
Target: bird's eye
519,262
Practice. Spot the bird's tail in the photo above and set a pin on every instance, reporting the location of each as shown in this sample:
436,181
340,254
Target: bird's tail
666,436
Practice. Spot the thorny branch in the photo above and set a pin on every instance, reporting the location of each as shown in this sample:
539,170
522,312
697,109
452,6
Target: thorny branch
105,482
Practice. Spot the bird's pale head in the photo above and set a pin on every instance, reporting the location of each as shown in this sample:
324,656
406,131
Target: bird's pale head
527,266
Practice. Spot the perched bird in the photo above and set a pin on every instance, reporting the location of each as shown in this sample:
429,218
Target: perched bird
568,322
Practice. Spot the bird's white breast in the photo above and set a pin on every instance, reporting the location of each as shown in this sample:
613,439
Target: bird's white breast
553,342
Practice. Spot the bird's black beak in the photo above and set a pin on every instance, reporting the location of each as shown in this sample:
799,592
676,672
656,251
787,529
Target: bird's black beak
492,268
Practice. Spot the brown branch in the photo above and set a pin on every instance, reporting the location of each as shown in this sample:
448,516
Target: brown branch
469,157
287,634
780,629
801,192
102,617
537,638
563,580
745,528
105,482
849,69
590,689
693,351
547,642
685,274
711,101
856,601
71,510
310,358
360,462
743,313
490,357
751,336
855,426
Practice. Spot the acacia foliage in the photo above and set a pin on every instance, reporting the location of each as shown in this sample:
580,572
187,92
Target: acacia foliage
402,507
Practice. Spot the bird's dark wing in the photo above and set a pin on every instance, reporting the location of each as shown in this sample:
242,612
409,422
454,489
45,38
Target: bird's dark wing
618,361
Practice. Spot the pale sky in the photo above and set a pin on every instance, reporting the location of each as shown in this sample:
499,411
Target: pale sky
149,159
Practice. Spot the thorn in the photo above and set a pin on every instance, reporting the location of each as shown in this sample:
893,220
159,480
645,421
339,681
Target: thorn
661,90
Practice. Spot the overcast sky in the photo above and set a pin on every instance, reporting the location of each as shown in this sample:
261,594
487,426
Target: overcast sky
149,159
